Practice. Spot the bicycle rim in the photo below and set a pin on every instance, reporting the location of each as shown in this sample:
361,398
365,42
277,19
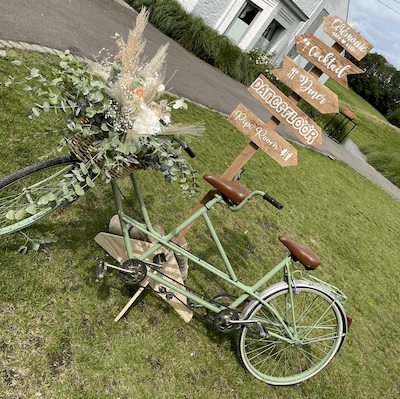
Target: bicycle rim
24,188
319,326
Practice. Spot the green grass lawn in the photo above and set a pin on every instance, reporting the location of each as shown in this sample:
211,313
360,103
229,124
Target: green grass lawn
58,337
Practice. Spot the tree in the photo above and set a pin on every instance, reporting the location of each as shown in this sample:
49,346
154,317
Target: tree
379,85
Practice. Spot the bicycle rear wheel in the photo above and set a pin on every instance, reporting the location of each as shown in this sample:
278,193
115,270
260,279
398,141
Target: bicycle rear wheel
19,191
320,325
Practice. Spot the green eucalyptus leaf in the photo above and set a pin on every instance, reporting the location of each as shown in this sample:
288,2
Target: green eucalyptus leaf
35,111
46,107
83,168
31,209
90,182
91,112
43,200
79,190
20,214
78,175
12,54
55,91
51,197
36,246
10,215
19,79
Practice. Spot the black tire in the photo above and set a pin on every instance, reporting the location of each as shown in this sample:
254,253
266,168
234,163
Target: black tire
321,325
12,197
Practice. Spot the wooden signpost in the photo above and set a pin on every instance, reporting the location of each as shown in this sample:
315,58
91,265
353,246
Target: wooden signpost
269,141
307,86
347,37
326,58
286,111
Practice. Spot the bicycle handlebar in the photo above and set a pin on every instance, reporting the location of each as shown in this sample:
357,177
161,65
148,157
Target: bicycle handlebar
185,146
272,201
265,196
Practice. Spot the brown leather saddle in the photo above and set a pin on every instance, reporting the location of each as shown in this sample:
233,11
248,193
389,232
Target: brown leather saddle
234,190
301,252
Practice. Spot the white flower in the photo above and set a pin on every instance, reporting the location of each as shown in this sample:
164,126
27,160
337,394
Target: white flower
166,118
179,104
146,123
161,88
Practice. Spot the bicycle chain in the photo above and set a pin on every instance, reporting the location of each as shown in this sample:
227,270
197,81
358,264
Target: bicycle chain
191,290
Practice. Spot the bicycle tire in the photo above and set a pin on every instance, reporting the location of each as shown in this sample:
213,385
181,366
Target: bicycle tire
44,177
323,328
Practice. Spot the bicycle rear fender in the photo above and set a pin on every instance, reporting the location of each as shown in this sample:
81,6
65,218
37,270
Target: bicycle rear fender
299,283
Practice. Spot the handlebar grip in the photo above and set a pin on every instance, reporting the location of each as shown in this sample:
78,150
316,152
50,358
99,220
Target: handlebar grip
272,201
185,146
189,151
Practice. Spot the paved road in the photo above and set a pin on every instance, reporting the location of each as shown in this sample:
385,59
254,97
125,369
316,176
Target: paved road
87,26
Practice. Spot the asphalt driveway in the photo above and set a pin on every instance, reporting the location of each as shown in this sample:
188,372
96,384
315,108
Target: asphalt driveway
87,27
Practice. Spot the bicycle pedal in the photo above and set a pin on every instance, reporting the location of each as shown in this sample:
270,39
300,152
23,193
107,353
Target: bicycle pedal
160,259
100,272
262,330
193,304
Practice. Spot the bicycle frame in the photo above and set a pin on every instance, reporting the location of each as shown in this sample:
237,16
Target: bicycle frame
230,276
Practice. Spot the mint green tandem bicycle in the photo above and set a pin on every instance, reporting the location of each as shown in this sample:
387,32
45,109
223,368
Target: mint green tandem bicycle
286,333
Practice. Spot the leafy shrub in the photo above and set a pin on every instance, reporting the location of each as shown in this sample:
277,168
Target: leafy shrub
385,160
394,117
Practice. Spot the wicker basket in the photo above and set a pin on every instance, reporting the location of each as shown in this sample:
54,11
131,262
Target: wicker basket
82,147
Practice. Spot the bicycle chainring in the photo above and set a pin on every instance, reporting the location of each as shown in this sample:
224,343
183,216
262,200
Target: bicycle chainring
221,299
136,272
222,320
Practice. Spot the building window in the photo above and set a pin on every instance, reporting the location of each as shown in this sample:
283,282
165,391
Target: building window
270,34
242,22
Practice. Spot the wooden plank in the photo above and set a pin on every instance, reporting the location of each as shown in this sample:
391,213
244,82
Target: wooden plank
326,58
347,37
285,110
115,246
269,141
307,86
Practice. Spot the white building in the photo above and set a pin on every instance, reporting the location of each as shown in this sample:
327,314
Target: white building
272,24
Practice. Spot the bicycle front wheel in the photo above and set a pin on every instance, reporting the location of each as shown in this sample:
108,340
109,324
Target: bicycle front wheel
319,323
22,190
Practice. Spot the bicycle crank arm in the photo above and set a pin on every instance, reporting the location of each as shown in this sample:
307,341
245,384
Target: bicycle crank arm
262,330
120,269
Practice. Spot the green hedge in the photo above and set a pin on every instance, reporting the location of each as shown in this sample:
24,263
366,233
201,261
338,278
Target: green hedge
205,42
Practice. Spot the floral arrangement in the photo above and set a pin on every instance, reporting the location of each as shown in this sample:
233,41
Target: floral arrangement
114,112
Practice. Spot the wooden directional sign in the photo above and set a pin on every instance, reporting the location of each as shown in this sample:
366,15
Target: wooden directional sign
347,37
326,58
307,87
285,110
266,139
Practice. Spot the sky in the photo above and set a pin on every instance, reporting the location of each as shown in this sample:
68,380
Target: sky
380,25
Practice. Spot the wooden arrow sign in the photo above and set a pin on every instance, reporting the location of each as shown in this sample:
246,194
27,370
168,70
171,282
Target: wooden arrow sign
307,87
347,37
266,139
286,111
326,58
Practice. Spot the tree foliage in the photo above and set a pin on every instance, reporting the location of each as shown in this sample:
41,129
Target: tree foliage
379,85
